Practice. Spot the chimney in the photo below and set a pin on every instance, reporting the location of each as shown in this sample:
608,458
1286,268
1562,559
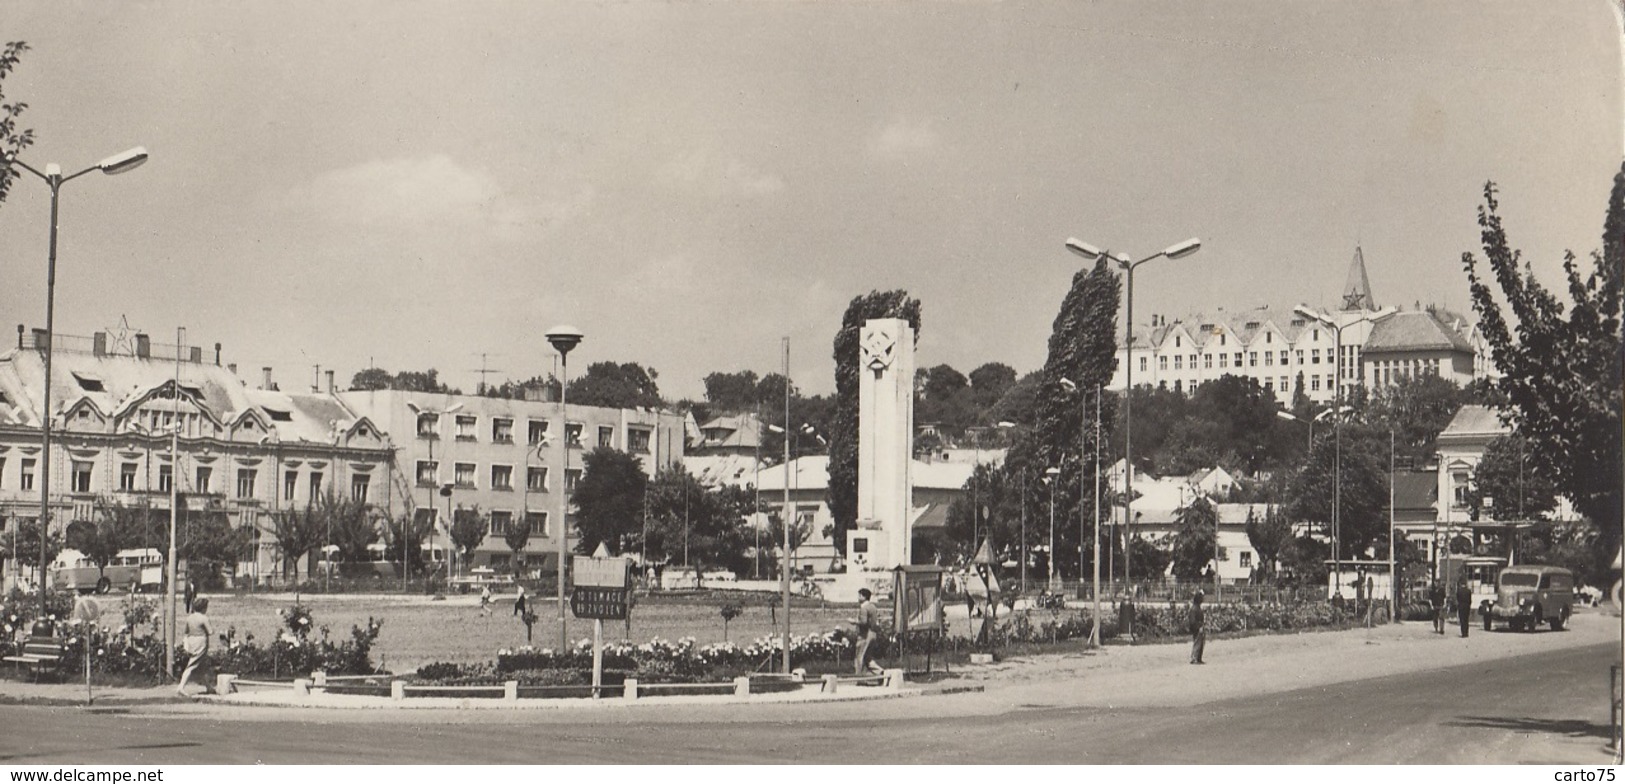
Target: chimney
266,384
332,386
233,368
217,355
20,336
98,344
143,345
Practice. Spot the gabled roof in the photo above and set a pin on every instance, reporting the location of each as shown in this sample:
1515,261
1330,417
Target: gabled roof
1414,330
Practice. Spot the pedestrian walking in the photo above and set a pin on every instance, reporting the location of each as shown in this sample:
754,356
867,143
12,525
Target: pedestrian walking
191,594
519,603
196,644
1436,600
485,600
1464,604
1198,629
868,621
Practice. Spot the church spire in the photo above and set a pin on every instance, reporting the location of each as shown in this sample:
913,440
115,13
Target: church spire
1357,289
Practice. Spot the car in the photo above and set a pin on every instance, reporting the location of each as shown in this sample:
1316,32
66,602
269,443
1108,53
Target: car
1527,596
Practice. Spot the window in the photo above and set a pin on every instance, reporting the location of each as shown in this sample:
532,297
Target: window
315,486
1331,382
463,474
428,425
1252,358
538,523
1176,341
1222,358
637,440
536,479
1269,337
502,431
572,435
1142,363
1179,386
1238,359
126,477
81,476
500,522
360,484
1283,357
1314,383
1178,362
290,482
502,477
606,436
1246,559
538,431
1285,385
1458,485
2,467
572,477
428,471
204,476
1314,356
1222,340
26,481
1207,361
1162,363
1268,358
166,478
1300,356
465,427
245,482
1268,384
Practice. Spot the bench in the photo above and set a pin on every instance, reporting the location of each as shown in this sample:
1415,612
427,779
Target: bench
41,654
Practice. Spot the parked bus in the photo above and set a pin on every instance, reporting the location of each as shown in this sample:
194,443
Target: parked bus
137,569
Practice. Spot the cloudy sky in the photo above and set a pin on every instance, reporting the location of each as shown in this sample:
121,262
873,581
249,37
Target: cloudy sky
413,184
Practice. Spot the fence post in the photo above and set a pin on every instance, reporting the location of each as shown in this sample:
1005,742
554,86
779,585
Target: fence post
510,691
397,690
629,691
742,686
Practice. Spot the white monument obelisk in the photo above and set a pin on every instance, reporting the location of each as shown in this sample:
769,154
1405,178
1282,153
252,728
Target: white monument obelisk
885,446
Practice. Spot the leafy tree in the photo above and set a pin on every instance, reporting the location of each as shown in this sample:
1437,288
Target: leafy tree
1243,414
516,538
535,386
468,532
12,139
371,379
989,383
843,423
1569,545
1151,558
210,541
1304,558
705,524
1515,483
406,380
1019,403
1364,488
403,539
734,392
1268,536
1195,530
24,545
1561,370
616,385
609,500
100,541
1417,409
298,532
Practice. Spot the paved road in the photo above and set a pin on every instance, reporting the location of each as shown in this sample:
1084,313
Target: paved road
1545,708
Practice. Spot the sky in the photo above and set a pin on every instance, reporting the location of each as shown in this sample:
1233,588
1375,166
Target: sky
411,185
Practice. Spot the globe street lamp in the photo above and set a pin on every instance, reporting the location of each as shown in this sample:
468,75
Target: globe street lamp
564,338
52,176
1090,252
1051,477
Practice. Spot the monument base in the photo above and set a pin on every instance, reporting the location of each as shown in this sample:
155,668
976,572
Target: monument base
842,588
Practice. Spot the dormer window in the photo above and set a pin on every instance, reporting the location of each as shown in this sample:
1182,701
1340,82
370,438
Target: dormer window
279,416
89,383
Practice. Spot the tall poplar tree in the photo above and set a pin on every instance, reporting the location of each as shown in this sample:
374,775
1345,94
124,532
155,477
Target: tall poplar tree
1560,364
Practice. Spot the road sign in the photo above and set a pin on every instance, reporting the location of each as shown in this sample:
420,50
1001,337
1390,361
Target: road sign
604,604
595,572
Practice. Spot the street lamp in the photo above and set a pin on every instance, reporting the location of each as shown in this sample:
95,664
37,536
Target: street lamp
1090,252
52,176
564,338
1007,426
438,414
1337,466
1051,477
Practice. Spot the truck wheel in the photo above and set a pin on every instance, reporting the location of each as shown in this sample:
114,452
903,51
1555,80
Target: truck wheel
104,585
1558,620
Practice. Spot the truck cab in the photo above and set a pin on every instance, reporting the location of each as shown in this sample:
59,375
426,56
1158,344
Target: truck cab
1527,596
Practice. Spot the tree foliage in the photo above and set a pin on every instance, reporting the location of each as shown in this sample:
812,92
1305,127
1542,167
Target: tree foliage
843,425
1361,495
349,525
406,381
1417,409
13,140
1515,483
1560,363
468,532
609,500
616,385
403,539
733,392
23,545
698,525
516,537
298,532
1195,535
97,540
1269,536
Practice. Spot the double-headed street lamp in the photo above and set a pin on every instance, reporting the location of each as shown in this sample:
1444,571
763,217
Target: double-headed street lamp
1090,252
564,338
1337,459
1094,629
52,176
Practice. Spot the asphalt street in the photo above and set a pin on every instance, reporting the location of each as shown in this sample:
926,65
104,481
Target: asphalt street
1550,707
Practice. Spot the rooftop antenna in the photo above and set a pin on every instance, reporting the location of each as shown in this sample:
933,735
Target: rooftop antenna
484,371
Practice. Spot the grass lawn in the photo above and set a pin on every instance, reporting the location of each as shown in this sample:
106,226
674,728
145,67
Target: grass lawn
418,630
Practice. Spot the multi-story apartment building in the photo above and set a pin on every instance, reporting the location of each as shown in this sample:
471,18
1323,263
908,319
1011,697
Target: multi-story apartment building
1321,349
503,459
246,452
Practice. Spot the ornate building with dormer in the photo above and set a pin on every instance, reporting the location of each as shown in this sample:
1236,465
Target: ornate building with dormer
1315,349
245,452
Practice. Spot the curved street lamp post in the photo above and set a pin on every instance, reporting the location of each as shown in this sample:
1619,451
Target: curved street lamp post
564,338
